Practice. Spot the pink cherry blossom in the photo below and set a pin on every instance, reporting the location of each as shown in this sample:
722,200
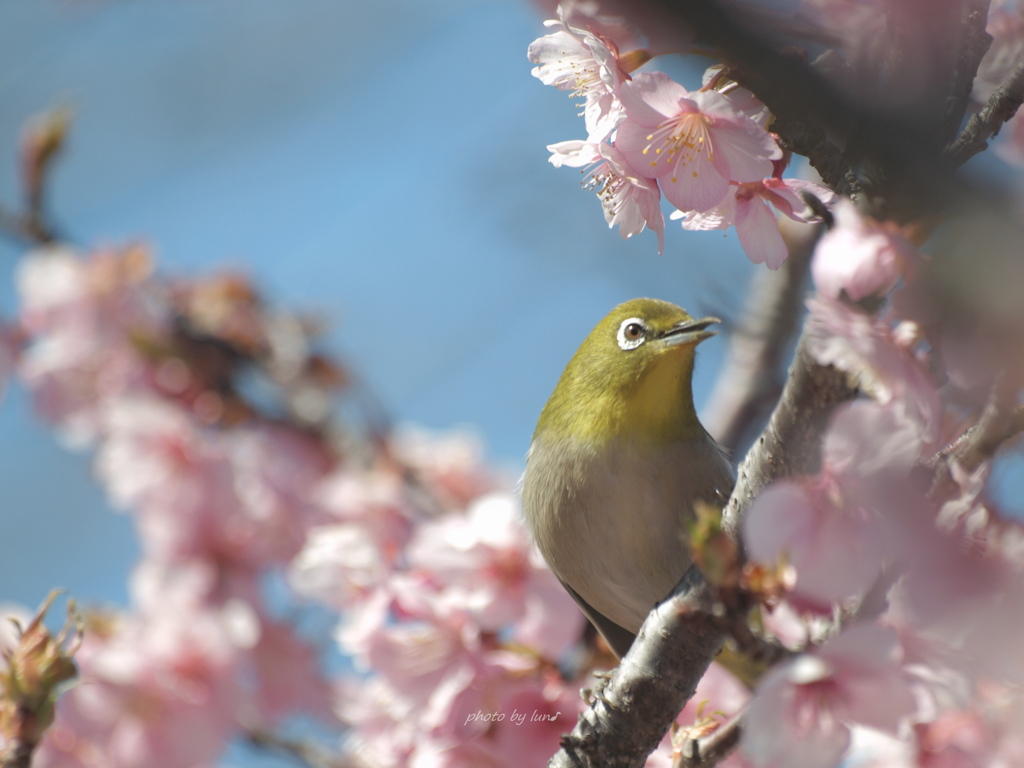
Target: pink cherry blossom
836,551
537,714
82,315
804,709
986,733
156,462
745,101
338,565
859,257
867,349
630,202
748,208
866,439
483,563
285,675
839,528
432,672
595,15
373,497
585,64
1006,26
145,683
426,662
450,464
694,143
719,697
961,600
273,683
274,469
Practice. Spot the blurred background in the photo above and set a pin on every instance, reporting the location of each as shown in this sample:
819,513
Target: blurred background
381,163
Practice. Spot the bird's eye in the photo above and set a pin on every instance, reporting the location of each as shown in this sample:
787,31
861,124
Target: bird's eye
632,333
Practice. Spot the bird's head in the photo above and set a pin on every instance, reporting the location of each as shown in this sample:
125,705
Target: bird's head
630,377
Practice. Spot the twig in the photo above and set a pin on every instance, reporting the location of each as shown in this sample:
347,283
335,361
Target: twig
749,382
711,749
309,754
983,125
791,443
974,44
979,443
25,229
42,141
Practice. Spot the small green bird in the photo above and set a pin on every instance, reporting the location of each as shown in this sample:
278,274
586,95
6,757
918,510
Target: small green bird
618,460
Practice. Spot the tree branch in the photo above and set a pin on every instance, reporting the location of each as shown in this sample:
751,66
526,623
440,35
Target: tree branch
25,229
645,693
984,124
974,44
749,382
791,443
997,424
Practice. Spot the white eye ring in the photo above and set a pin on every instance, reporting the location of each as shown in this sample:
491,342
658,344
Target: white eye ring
632,333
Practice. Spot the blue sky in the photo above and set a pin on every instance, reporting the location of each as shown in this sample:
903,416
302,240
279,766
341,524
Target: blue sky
382,163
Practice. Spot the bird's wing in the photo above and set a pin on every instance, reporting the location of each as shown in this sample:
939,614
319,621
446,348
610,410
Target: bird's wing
619,639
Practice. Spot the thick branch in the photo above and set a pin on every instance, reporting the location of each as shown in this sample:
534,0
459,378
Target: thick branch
983,125
645,693
749,382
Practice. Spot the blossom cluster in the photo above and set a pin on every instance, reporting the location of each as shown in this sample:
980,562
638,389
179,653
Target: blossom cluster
904,588
248,509
708,151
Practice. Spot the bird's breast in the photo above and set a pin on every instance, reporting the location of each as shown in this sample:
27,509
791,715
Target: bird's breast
611,521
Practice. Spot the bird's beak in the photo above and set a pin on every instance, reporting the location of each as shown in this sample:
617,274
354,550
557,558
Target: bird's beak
689,332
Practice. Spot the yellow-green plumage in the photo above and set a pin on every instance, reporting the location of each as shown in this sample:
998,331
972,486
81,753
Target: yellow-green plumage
617,460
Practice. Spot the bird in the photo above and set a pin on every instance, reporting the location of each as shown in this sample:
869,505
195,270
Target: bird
617,462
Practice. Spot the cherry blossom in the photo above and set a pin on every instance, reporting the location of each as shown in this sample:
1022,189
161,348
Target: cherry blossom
1006,26
338,565
483,563
83,316
587,65
859,258
693,143
749,210
832,528
159,463
273,470
451,464
630,202
145,683
868,349
803,712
